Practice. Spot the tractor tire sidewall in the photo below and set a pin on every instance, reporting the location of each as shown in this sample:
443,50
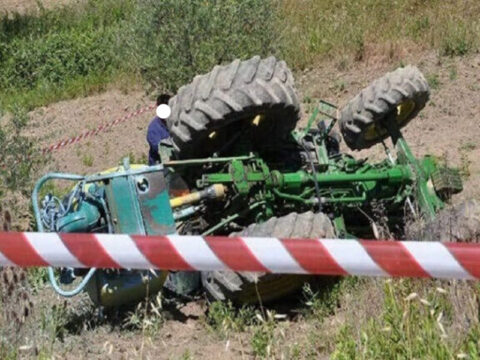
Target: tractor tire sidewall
226,100
376,102
250,288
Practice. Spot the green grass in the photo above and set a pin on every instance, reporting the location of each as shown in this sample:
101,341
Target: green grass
417,321
87,160
223,318
433,81
78,50
61,53
315,30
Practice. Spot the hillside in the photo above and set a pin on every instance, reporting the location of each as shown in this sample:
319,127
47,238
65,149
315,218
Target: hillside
333,60
447,127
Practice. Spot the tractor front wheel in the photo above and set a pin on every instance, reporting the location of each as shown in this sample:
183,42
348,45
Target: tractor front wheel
397,96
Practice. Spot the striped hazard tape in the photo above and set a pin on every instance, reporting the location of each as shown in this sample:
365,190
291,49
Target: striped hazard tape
292,256
100,128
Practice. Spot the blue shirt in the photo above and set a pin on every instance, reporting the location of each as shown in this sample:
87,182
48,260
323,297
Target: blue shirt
157,131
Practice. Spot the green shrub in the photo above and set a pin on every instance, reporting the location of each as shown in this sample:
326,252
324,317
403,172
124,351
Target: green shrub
73,51
18,156
43,56
177,39
458,39
433,81
225,319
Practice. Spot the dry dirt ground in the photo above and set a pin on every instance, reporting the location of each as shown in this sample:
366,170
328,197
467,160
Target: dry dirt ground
448,126
66,119
24,6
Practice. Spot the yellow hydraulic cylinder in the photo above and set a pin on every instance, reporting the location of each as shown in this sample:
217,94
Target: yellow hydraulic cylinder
214,191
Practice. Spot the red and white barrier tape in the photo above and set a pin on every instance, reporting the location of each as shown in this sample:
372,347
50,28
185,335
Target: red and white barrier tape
288,256
99,129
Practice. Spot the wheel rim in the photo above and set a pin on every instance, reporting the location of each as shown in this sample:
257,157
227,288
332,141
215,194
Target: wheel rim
404,111
373,132
255,126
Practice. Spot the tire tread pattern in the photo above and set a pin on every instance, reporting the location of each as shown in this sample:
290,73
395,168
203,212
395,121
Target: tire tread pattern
229,93
377,100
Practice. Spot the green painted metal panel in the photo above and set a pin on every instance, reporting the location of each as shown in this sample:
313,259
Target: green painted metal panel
154,203
123,205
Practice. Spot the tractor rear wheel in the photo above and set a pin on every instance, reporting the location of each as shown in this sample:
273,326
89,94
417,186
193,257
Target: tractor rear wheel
251,288
397,96
252,100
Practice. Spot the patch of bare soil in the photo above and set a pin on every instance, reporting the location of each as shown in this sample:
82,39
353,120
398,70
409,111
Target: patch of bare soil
66,119
186,334
447,127
29,6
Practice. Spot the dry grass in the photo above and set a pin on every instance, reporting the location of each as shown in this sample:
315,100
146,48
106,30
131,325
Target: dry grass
358,30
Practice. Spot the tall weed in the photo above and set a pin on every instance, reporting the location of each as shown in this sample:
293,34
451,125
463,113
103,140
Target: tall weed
416,322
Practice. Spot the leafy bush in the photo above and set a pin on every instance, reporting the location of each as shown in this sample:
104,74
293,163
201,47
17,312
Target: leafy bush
17,155
458,39
177,39
225,319
49,51
19,160
72,51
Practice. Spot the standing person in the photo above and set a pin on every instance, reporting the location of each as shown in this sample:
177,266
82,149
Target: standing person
157,129
182,283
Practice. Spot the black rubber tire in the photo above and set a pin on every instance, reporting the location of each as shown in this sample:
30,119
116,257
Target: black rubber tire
361,119
250,288
226,96
460,223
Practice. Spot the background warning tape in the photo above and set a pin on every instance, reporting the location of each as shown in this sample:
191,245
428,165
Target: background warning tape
96,131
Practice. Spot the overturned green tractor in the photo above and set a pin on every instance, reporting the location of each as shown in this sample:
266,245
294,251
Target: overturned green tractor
238,164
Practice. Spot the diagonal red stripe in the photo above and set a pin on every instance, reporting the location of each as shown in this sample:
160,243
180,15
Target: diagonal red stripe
160,252
233,252
394,258
468,255
87,249
313,256
17,249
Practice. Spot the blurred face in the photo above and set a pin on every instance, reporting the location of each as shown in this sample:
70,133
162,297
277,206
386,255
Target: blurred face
163,111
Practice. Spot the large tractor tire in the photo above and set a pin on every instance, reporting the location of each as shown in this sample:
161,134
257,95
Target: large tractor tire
460,223
251,288
397,96
252,100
